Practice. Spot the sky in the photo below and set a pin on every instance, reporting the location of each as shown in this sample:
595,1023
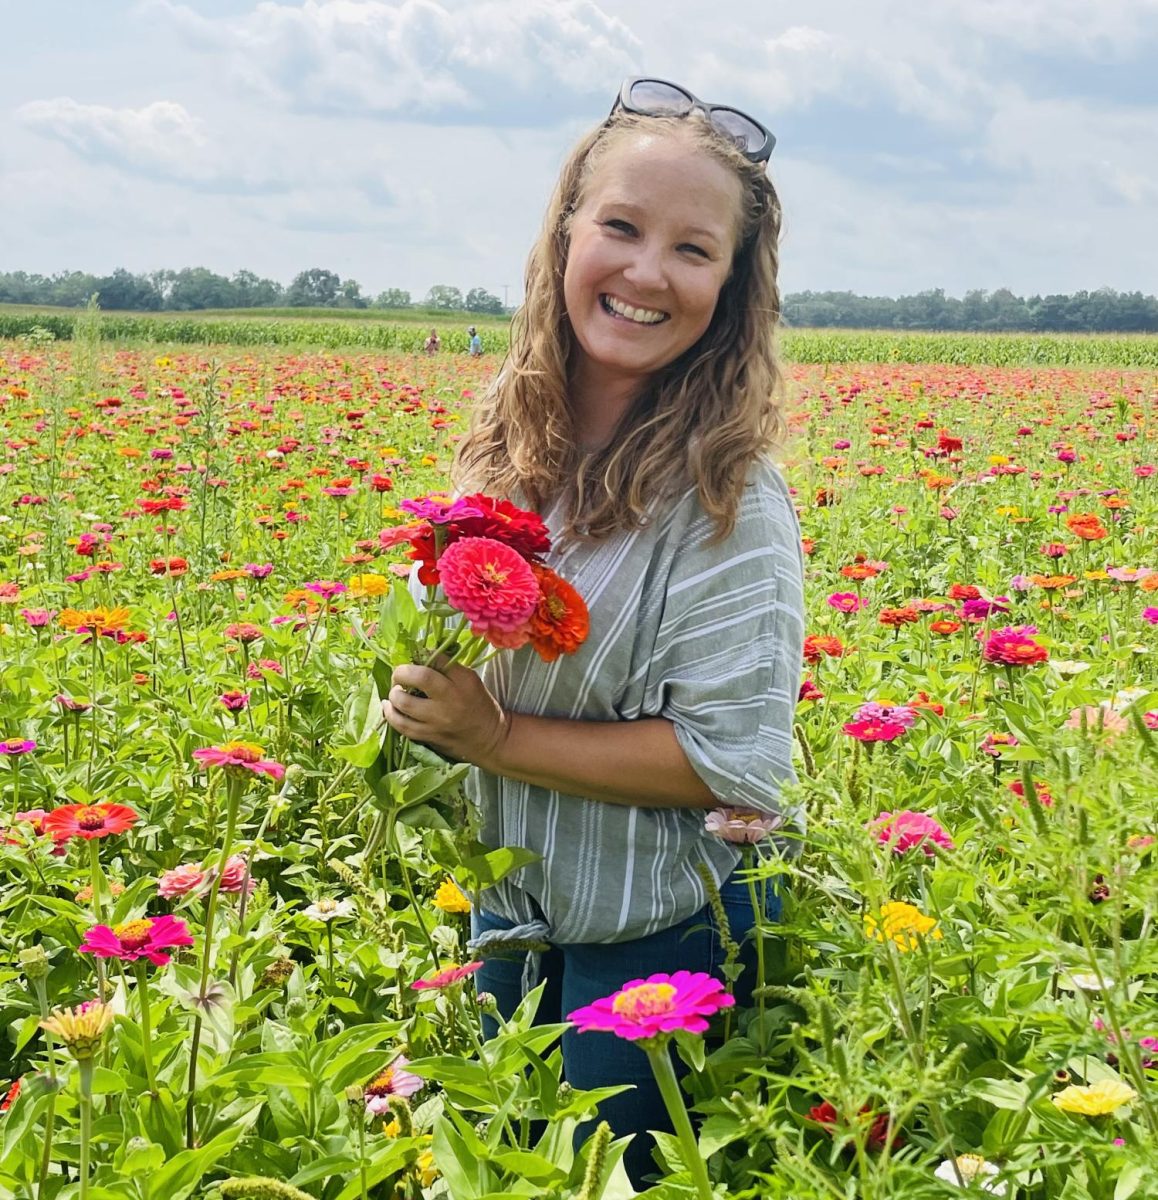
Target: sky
405,143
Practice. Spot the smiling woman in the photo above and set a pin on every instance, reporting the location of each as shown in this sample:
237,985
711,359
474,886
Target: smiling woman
636,411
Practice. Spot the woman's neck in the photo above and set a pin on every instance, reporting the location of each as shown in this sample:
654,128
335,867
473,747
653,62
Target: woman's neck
598,405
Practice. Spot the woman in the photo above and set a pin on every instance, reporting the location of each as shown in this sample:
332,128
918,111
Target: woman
636,410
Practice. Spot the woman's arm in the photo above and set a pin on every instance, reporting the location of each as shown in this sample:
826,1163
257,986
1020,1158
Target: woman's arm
621,762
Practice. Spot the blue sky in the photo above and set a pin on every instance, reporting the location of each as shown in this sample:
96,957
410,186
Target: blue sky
946,143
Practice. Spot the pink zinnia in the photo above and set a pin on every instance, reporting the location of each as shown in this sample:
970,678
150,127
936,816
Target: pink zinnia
1013,647
447,976
234,701
148,937
492,585
1097,717
237,757
898,714
653,1007
1150,614
17,746
393,1081
741,825
873,730
846,602
180,881
907,830
326,588
233,877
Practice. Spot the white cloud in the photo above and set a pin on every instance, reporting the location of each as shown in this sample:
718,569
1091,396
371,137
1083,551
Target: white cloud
510,62
161,141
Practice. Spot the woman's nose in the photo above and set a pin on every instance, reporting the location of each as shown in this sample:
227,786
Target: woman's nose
646,270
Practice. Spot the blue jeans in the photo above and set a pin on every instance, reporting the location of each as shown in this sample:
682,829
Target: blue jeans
579,974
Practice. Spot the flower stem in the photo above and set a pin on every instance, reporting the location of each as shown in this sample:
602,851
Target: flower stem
235,789
146,1027
758,933
85,1067
50,1115
659,1056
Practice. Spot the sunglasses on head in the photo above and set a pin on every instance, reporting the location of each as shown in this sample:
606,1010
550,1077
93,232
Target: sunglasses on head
660,98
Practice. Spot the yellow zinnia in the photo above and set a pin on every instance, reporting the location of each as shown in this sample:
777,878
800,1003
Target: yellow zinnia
450,898
1096,1099
368,586
901,923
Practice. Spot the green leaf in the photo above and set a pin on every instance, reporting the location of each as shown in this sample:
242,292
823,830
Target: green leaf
1001,1093
360,754
527,1164
485,870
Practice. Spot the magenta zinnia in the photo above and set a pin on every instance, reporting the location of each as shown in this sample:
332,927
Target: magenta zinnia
657,1005
148,937
1013,647
239,757
492,586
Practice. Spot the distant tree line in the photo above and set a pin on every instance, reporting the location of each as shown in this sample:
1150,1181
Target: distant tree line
195,288
1102,311
192,288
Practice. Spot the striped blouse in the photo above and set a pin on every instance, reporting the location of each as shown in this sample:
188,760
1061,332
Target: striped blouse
708,636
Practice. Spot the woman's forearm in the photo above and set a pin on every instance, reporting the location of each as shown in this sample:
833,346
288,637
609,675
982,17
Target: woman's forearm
621,762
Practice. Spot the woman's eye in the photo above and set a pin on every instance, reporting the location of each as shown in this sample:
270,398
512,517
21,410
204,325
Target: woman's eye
620,225
695,249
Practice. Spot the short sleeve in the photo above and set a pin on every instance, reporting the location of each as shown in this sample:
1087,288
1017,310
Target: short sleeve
728,655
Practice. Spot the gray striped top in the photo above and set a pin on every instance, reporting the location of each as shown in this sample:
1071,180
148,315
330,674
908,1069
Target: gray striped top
709,637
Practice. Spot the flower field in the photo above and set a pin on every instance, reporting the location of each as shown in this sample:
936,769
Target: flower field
233,954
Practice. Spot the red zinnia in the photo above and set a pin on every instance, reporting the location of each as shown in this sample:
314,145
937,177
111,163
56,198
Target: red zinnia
89,820
518,528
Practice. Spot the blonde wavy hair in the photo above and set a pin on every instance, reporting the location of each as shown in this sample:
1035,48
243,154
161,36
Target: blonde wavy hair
702,420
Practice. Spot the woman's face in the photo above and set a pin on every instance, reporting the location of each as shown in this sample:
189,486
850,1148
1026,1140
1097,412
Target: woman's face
651,246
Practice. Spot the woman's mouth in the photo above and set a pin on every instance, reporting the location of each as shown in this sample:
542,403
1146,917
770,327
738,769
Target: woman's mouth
615,307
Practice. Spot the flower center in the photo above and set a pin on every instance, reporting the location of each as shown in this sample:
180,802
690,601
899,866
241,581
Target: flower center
243,751
327,905
970,1166
494,575
556,608
645,1000
133,934
382,1085
91,817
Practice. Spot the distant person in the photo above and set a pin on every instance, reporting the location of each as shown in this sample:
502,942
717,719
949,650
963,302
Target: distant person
433,343
475,343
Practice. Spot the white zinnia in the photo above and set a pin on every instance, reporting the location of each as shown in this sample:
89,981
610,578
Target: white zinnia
330,910
972,1169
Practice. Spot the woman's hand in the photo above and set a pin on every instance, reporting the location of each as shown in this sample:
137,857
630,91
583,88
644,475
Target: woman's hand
456,715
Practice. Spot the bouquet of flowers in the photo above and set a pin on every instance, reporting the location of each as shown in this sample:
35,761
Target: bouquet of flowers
480,560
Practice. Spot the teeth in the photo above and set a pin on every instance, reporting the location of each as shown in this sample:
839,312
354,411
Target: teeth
643,316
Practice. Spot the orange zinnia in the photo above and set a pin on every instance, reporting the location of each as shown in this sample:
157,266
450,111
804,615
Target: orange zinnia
859,571
560,622
101,621
1086,526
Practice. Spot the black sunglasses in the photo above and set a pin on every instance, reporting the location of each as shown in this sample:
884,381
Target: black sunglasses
661,98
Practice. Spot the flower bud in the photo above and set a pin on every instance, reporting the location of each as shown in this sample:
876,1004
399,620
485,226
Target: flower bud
34,963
